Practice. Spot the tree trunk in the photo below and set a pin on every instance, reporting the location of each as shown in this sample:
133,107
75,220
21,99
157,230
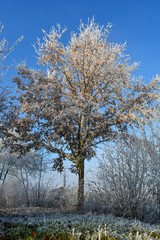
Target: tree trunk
80,205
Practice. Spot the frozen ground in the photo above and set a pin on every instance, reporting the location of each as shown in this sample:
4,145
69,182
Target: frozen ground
26,215
49,223
44,215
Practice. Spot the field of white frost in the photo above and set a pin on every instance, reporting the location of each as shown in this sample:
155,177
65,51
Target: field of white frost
49,225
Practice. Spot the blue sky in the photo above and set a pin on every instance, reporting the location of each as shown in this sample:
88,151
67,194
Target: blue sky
134,21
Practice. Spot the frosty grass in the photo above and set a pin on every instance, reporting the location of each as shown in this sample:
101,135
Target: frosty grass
74,226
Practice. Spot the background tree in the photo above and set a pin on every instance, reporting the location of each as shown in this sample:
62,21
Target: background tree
83,94
29,175
151,141
7,161
26,169
127,178
120,181
7,103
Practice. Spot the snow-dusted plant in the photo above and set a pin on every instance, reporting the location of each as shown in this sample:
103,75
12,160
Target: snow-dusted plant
83,93
31,173
151,141
81,227
120,180
127,177
7,104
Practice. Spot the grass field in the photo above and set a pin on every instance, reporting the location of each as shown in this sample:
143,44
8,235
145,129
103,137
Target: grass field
48,225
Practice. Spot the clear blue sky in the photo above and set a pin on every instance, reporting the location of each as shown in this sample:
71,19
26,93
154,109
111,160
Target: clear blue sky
134,21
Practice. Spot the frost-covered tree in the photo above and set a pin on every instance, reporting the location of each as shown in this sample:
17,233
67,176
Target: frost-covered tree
120,181
7,106
6,164
151,141
126,180
31,172
83,93
26,169
5,50
7,116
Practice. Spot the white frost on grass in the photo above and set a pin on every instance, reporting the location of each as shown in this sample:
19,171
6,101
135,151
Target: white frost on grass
91,226
73,219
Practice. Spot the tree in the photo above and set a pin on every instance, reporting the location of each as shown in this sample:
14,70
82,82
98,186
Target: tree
120,181
127,179
151,142
27,169
84,92
30,175
5,50
7,162
7,115
7,105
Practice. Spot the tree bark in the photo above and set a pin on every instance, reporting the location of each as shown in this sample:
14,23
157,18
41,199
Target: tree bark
80,205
